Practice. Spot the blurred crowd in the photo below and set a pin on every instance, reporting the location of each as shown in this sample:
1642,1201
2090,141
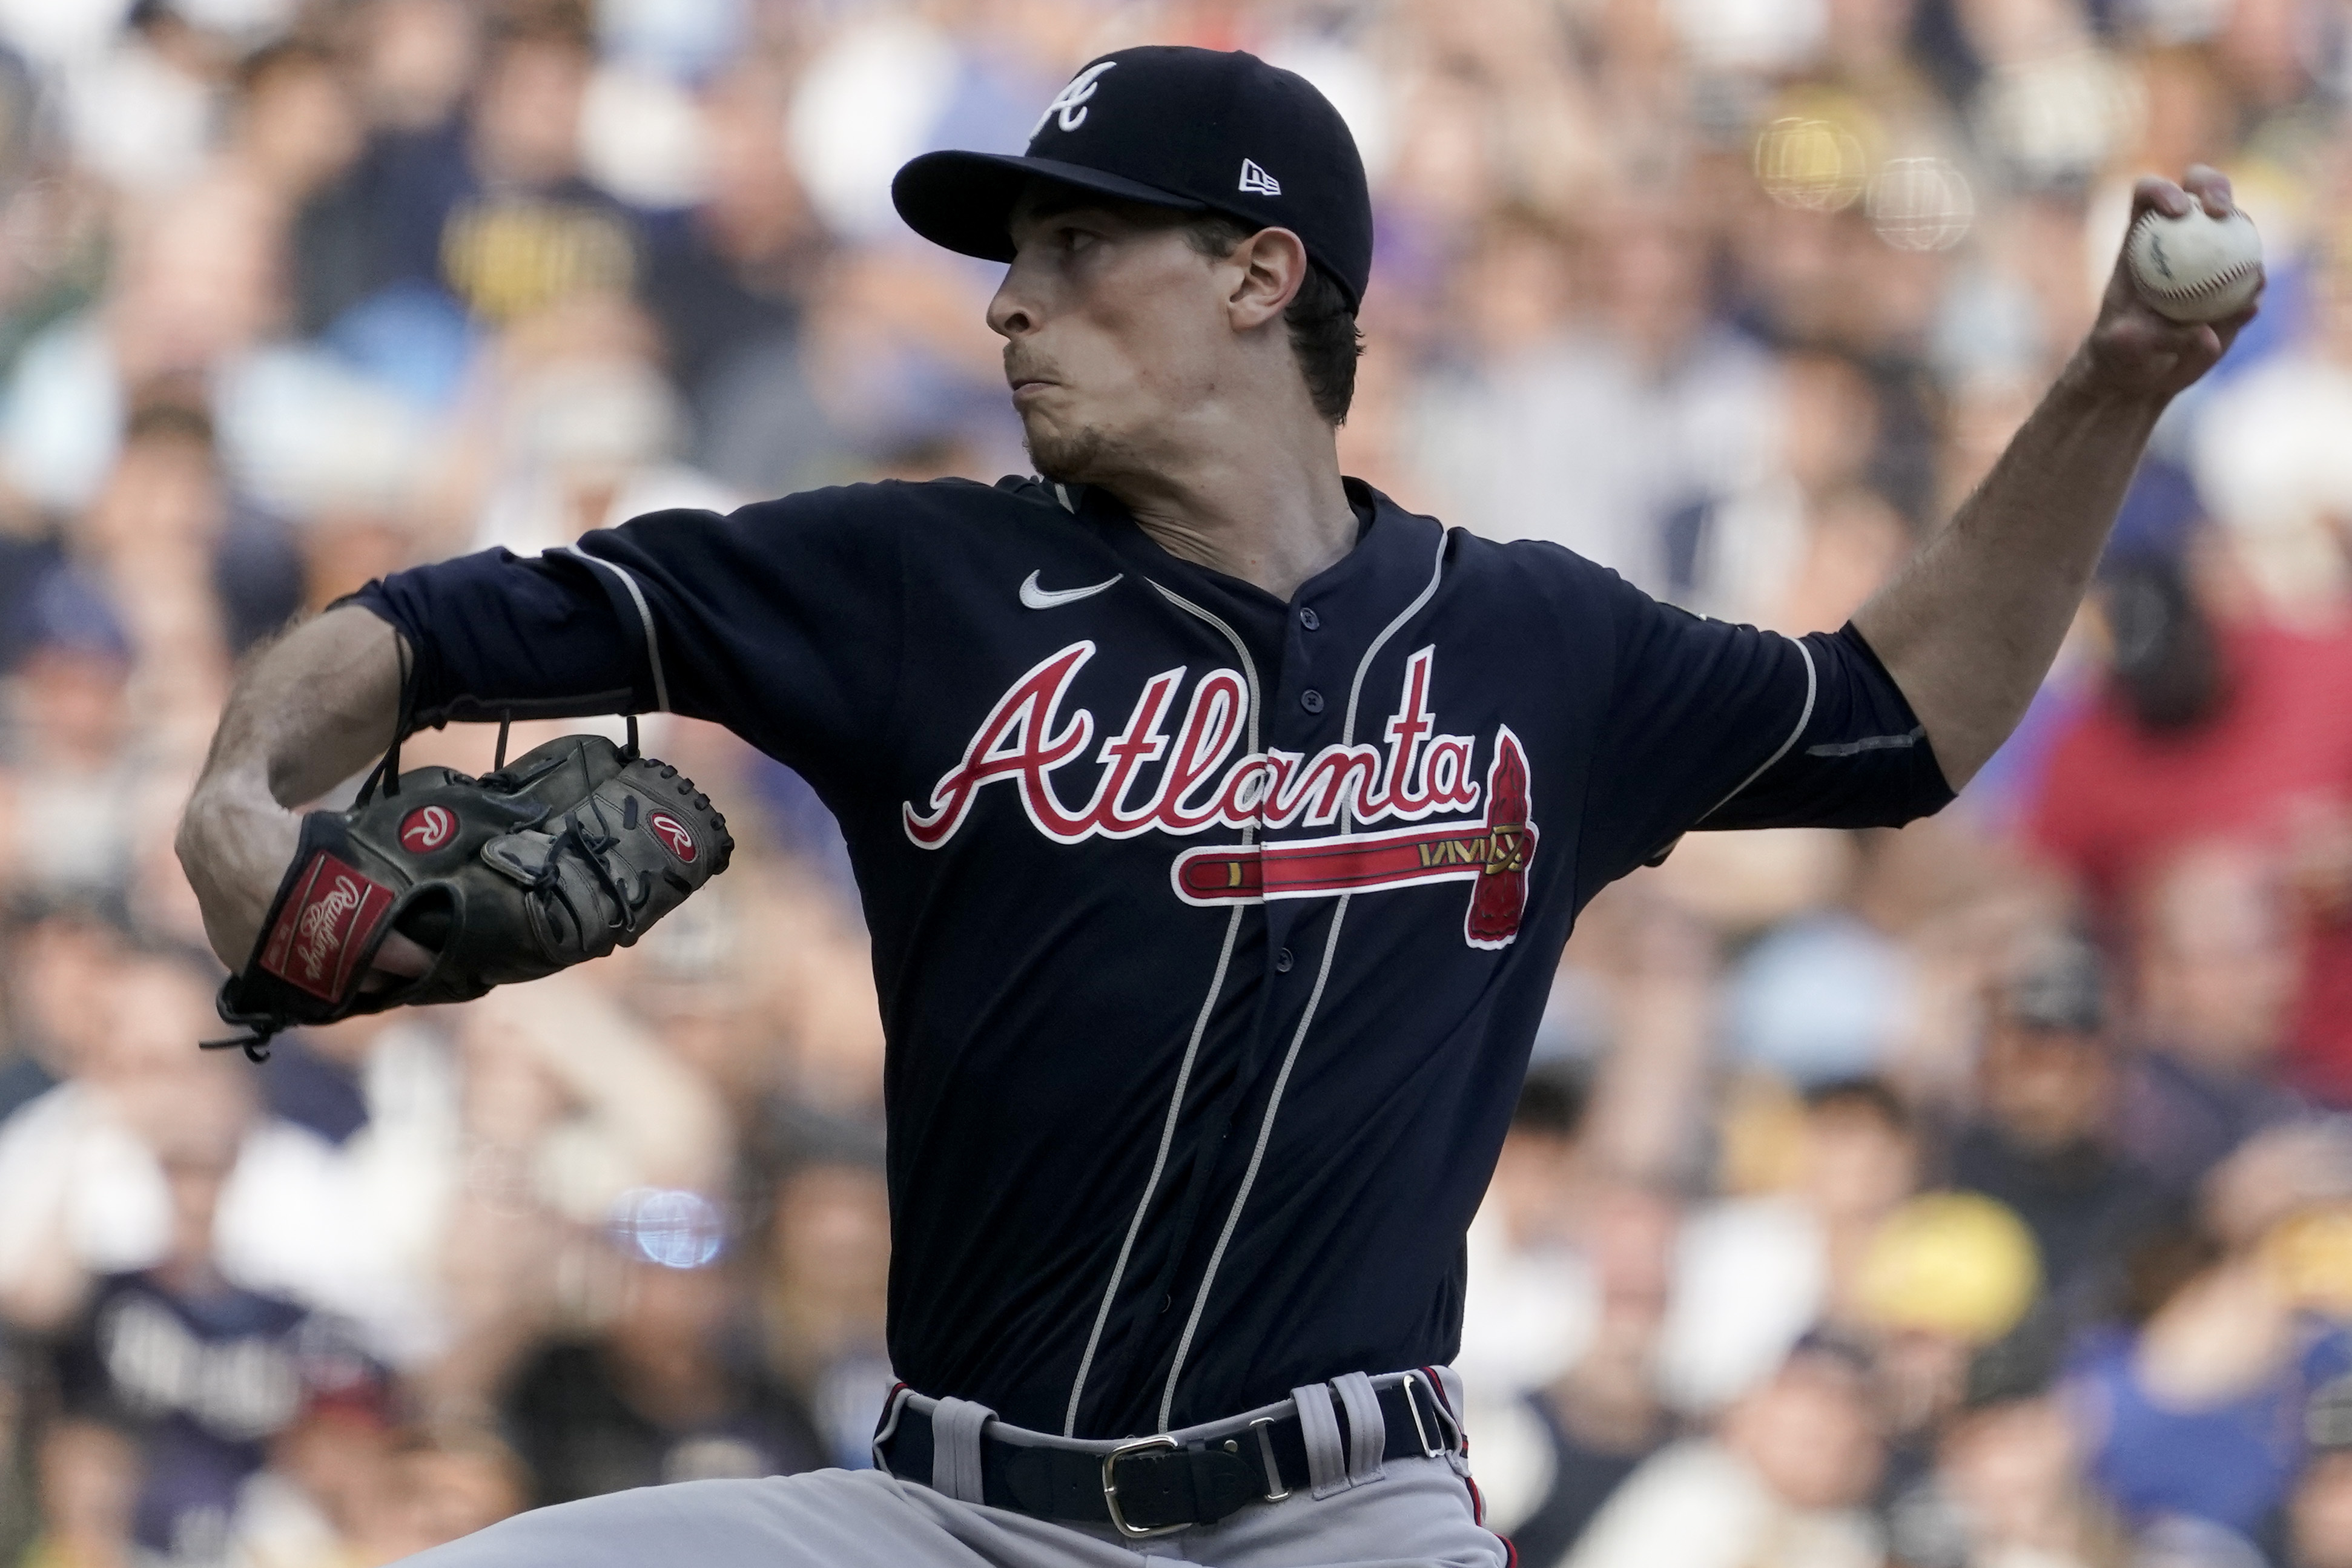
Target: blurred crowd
1977,1195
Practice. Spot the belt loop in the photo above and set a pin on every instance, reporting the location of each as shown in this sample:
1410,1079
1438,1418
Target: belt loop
955,1449
899,1394
1318,1427
1446,1383
1368,1429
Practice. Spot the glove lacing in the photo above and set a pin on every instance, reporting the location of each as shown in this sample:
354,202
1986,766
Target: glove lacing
593,846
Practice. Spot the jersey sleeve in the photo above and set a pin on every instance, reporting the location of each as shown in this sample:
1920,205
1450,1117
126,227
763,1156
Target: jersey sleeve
1713,726
780,620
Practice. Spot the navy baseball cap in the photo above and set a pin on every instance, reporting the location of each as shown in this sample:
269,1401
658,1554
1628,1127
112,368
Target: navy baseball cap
1195,130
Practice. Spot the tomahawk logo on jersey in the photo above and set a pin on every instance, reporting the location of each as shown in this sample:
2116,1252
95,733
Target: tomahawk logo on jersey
1209,928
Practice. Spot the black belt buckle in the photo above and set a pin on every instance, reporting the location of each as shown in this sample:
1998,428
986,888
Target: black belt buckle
1111,1489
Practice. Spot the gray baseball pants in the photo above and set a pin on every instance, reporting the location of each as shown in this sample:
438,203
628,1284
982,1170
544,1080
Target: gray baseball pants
1409,1512
1418,1515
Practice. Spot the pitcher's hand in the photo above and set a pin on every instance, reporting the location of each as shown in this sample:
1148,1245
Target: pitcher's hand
2133,350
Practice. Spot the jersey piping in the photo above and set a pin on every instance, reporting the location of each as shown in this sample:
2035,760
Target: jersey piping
1804,717
1314,1001
645,617
1191,1047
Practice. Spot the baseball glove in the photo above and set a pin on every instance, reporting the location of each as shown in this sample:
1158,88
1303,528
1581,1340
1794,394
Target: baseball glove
573,850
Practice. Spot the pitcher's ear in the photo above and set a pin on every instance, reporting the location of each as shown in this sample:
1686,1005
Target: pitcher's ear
1273,268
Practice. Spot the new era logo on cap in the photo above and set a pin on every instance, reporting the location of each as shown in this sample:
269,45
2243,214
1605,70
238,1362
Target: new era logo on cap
1258,182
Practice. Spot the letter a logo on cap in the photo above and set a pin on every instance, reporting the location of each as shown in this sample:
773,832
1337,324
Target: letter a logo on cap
1071,101
1258,182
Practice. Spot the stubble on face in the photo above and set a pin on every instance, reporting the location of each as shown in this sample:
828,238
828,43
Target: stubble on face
1087,455
1058,452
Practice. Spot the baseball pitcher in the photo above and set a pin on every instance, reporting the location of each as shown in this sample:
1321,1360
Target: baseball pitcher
1218,823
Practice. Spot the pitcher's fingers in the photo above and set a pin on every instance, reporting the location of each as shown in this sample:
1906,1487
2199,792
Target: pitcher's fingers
2155,191
399,956
2213,187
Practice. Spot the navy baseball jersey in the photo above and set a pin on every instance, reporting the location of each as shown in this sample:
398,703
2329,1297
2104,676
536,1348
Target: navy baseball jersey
1211,931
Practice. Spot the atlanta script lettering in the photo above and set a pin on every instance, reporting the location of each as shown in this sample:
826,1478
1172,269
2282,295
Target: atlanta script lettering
1417,772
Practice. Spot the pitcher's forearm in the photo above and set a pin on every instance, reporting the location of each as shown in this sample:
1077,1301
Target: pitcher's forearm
1971,623
314,708
309,711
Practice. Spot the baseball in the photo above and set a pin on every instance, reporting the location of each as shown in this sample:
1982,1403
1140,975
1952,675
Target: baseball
2196,267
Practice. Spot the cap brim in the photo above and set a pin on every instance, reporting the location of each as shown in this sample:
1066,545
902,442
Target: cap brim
964,200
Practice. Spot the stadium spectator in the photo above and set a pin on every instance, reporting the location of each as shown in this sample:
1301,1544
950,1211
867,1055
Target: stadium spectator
823,1266
1782,1482
200,1371
2217,971
2211,729
1603,1416
1754,1275
2042,1142
655,1396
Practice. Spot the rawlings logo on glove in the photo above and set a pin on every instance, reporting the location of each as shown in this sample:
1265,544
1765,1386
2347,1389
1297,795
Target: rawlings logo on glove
330,918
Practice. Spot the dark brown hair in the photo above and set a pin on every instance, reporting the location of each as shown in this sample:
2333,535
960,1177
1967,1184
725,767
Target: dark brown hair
1323,333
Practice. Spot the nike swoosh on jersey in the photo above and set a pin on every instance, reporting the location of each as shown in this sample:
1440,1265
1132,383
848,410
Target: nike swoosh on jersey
1037,598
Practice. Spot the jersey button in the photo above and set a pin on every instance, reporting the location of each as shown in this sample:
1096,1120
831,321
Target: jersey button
1281,961
1308,619
1311,700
